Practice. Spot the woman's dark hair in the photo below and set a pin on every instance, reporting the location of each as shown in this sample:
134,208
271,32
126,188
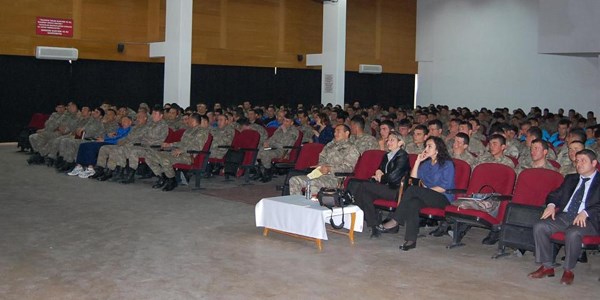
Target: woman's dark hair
324,119
443,156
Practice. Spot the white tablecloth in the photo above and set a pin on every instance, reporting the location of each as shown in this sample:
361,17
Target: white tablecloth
295,214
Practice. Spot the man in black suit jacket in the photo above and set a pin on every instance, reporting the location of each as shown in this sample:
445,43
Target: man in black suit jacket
573,208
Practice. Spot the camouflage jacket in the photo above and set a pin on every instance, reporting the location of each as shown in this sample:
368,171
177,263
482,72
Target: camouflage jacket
341,156
364,142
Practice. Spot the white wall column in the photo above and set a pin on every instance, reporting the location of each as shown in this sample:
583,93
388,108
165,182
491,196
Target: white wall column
333,58
177,51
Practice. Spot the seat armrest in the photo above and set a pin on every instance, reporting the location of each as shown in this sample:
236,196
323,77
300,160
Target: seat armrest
249,149
224,146
155,146
137,144
456,191
343,174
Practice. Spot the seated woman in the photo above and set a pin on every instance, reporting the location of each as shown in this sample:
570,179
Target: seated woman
435,171
385,184
323,132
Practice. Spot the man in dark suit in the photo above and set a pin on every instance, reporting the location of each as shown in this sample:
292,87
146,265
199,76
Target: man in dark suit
573,208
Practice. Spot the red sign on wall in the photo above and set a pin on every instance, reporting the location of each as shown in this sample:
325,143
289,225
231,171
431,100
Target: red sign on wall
54,27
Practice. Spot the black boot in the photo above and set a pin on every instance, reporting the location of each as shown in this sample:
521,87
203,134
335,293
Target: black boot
49,161
267,174
375,232
145,172
108,174
118,174
129,177
260,173
59,163
98,174
162,179
171,184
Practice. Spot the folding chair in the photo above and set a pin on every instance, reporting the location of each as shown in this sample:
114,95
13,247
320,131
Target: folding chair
199,162
501,179
289,159
527,205
308,157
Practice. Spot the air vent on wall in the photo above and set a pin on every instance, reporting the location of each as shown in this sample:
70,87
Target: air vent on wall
56,53
370,69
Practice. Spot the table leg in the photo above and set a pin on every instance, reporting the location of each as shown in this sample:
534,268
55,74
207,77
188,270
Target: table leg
265,231
353,221
319,244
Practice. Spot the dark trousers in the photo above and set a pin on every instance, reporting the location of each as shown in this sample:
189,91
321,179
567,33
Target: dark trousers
544,250
413,199
88,153
365,192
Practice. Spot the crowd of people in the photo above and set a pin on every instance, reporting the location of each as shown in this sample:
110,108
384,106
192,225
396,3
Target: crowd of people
105,143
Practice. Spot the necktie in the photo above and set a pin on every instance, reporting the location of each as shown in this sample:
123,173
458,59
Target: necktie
576,201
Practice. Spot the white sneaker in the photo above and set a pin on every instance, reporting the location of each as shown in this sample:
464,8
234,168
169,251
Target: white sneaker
87,173
76,171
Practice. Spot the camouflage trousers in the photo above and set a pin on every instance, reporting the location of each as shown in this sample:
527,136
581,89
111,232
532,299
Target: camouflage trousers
162,162
266,156
111,156
39,141
133,154
297,183
217,153
68,147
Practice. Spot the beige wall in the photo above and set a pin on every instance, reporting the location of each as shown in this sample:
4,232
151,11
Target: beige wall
263,33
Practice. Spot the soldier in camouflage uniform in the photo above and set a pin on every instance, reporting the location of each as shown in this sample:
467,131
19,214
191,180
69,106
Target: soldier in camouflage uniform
359,138
539,150
459,149
91,130
155,135
495,152
305,127
385,128
404,127
533,133
42,136
76,134
111,156
222,136
338,155
569,167
475,146
161,162
66,126
285,135
575,134
420,134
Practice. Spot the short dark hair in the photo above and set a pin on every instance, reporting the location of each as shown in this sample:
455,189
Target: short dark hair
589,153
389,124
498,137
535,131
579,133
436,122
542,142
469,125
159,110
463,136
243,121
358,120
423,128
404,123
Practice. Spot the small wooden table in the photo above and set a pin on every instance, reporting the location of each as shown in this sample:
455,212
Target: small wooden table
301,218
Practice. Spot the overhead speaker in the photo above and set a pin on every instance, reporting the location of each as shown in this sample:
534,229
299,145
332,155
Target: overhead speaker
56,53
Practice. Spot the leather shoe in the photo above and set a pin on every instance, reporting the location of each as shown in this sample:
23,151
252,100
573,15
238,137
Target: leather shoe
542,272
382,229
408,245
567,278
375,232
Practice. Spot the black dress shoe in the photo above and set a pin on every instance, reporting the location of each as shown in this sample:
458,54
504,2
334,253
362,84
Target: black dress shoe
382,229
162,180
375,232
108,174
408,245
99,173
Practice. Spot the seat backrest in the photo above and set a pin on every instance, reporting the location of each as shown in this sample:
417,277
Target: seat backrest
500,179
534,185
247,139
493,177
201,159
514,160
368,163
462,174
271,131
38,121
308,156
174,135
292,155
412,158
554,163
